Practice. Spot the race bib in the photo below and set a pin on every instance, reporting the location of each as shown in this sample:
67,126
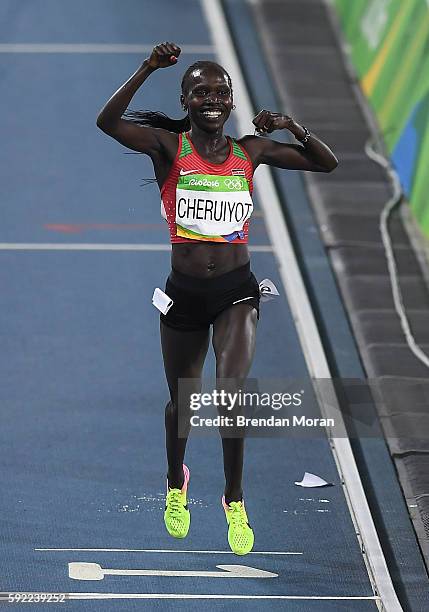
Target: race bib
208,205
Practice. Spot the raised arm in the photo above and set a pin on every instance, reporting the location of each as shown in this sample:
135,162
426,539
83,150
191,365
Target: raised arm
313,154
139,138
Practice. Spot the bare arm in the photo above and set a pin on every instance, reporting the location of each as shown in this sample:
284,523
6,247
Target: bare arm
314,155
139,138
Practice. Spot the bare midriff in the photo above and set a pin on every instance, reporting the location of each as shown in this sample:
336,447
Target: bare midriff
205,259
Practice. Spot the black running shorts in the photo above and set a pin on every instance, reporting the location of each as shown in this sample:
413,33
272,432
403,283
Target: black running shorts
198,301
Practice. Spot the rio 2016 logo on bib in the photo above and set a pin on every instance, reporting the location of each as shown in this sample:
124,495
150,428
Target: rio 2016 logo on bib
203,182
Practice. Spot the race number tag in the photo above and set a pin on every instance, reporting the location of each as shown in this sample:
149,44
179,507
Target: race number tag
212,205
161,301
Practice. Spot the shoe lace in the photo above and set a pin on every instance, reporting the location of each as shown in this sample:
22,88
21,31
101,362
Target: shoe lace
237,516
174,501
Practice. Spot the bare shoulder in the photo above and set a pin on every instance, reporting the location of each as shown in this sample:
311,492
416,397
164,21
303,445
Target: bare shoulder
254,146
144,139
169,141
249,142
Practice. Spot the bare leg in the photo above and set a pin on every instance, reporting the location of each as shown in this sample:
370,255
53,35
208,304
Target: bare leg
184,353
234,336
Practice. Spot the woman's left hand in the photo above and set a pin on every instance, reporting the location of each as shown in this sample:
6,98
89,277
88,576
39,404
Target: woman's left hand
266,122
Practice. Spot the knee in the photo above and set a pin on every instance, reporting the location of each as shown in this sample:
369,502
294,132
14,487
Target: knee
170,408
229,364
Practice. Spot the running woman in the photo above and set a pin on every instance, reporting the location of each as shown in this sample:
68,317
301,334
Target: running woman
205,180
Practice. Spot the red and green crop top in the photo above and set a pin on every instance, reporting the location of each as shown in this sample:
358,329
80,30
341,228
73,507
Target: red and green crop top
205,201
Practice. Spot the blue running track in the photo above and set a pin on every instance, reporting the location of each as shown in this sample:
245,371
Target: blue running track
82,385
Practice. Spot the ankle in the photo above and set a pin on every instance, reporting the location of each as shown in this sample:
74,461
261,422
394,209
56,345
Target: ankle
236,496
175,481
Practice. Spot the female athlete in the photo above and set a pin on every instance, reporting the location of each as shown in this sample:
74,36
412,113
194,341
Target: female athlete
205,180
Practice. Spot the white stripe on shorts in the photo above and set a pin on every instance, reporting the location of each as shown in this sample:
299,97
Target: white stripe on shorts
242,299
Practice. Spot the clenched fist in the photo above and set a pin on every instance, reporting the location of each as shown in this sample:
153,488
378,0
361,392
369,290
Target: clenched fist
266,122
164,55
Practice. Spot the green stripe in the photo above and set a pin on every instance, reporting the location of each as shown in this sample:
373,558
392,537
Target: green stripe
213,183
237,150
186,147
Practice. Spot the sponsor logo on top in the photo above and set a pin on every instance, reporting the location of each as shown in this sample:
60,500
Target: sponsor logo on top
184,172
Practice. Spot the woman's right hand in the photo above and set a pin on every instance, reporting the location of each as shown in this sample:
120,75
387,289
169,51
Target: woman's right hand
164,55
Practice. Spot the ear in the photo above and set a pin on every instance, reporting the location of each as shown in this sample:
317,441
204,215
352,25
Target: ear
182,102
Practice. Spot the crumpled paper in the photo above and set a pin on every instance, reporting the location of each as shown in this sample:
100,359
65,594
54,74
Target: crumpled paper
311,480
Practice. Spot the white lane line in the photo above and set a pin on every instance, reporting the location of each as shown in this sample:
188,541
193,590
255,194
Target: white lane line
83,246
164,550
80,246
93,48
305,322
94,571
4,595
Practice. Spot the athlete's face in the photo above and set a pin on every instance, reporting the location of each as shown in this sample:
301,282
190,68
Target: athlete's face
208,98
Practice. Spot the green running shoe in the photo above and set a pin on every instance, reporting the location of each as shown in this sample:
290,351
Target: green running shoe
177,517
240,533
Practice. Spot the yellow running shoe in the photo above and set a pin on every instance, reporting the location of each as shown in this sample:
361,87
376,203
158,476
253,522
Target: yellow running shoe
177,517
240,533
